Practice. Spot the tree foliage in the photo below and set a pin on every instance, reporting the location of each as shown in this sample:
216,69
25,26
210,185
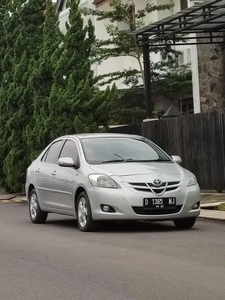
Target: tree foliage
41,81
46,83
176,80
75,104
23,24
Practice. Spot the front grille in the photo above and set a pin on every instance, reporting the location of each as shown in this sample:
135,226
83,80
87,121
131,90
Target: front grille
157,190
140,211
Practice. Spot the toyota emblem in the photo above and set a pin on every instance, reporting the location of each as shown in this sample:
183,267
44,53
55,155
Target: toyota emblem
157,182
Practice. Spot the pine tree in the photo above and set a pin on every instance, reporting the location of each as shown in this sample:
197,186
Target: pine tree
3,47
3,44
9,30
75,105
30,17
41,81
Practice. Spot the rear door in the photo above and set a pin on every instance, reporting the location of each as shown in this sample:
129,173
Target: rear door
43,173
65,180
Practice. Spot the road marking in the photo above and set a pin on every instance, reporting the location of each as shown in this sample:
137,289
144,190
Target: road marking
5,201
17,200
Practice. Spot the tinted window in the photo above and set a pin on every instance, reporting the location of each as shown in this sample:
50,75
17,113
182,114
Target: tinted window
69,150
53,153
103,150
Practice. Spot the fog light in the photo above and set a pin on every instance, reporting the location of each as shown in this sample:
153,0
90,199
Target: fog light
107,208
196,205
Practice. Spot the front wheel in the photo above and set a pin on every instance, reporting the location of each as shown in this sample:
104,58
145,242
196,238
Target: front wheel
37,216
84,216
185,223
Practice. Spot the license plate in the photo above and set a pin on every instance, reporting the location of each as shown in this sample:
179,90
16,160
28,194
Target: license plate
159,203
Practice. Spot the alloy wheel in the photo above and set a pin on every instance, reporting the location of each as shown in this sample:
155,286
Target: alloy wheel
82,212
33,206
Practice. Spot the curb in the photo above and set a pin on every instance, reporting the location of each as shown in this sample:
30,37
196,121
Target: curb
23,199
212,215
212,219
17,199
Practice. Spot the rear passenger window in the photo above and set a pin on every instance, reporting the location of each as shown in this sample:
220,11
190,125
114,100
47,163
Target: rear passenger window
53,153
70,150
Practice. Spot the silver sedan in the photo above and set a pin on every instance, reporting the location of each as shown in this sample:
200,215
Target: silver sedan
100,177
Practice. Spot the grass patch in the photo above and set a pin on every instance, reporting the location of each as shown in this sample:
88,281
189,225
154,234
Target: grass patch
221,207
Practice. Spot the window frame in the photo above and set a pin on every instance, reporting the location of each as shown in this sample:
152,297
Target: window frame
48,149
77,162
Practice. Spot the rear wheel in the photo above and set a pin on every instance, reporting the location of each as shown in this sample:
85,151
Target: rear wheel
84,216
185,223
37,216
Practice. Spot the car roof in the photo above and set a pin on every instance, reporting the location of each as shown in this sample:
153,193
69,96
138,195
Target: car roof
101,135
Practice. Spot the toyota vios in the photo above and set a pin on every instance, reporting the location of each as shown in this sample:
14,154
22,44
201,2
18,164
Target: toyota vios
98,177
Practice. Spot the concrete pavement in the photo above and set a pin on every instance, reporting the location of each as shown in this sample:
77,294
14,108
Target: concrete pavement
121,262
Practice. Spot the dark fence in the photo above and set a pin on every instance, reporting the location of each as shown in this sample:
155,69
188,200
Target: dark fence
198,139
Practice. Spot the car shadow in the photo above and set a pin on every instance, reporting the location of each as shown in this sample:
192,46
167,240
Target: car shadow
120,227
139,226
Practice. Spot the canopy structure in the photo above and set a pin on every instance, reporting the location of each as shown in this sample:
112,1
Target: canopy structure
171,112
206,19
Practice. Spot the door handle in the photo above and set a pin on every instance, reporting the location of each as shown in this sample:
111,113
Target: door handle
54,173
38,170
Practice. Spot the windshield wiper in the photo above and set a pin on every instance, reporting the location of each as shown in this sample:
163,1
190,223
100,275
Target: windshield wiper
155,160
123,160
146,160
118,160
112,161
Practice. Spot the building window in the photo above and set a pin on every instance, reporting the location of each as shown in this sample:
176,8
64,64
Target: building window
183,4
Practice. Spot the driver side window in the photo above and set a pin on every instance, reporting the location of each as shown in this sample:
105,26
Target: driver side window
52,155
70,150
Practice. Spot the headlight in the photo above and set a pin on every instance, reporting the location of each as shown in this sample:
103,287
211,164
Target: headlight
191,179
104,181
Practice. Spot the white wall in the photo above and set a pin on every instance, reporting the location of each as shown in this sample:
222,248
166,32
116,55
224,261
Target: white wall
121,63
113,64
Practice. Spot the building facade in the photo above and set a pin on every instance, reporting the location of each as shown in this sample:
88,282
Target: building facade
188,53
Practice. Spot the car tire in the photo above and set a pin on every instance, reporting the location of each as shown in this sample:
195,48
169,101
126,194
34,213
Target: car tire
185,223
37,216
84,215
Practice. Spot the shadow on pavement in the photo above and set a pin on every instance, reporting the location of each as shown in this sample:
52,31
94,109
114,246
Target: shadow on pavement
116,227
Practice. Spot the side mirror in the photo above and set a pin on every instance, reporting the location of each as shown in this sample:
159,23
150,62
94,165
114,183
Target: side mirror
66,162
177,159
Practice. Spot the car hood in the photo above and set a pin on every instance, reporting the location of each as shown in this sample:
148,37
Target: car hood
128,169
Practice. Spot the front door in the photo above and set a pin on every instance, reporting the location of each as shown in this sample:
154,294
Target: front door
44,174
64,180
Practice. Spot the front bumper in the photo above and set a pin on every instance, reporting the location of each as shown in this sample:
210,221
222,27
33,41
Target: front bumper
128,205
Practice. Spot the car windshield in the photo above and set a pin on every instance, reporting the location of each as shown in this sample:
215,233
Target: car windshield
117,150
